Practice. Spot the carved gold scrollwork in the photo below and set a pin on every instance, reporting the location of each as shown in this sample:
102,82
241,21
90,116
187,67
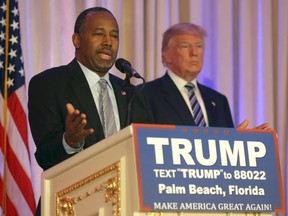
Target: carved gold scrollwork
65,204
155,213
111,191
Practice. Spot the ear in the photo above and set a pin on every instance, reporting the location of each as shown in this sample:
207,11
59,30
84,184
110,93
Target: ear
166,56
76,40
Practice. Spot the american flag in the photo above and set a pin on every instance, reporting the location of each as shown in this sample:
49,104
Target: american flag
17,197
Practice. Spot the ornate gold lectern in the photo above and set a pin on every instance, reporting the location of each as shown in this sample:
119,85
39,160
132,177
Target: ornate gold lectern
102,181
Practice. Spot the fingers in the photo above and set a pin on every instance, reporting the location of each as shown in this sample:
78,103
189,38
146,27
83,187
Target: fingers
70,108
72,113
75,126
264,126
243,125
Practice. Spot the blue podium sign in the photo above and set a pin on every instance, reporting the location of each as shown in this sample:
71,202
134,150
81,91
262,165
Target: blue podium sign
184,168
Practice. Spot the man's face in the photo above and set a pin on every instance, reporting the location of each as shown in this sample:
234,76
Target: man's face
184,56
98,42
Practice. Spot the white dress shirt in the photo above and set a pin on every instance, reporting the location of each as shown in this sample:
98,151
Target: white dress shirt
180,84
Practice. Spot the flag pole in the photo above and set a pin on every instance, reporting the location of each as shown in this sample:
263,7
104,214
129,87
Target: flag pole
5,106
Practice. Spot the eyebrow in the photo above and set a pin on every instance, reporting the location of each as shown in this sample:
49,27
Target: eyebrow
102,29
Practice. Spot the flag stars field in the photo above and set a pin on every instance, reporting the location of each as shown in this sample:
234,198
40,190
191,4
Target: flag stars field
17,195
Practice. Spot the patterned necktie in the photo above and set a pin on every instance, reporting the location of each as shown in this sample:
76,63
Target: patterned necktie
196,109
106,110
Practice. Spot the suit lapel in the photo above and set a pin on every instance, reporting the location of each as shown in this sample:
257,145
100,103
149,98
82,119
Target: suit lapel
121,98
175,100
210,104
83,94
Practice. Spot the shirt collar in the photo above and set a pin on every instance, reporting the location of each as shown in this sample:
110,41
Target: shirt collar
92,77
179,82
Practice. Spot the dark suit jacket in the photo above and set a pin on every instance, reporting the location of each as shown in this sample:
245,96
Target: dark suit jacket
49,92
169,107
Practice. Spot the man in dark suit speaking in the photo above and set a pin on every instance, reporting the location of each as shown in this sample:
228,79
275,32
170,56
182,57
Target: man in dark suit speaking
177,98
65,111
68,105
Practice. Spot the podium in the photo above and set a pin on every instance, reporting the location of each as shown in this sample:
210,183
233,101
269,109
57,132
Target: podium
103,181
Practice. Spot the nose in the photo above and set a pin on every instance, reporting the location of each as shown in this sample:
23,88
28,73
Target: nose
193,51
107,39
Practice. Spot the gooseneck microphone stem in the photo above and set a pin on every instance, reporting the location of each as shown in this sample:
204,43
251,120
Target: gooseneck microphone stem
130,100
125,67
127,88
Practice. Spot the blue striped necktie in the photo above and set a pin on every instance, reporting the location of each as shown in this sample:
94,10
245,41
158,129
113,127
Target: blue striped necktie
106,110
196,109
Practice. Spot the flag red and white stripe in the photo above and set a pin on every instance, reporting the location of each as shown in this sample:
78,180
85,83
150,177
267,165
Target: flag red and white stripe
17,197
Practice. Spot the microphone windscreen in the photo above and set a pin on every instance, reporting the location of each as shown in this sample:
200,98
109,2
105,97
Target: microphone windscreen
120,64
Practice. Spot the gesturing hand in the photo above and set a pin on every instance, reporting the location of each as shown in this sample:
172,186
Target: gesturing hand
75,123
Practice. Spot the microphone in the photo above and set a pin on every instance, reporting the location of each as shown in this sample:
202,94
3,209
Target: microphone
125,67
